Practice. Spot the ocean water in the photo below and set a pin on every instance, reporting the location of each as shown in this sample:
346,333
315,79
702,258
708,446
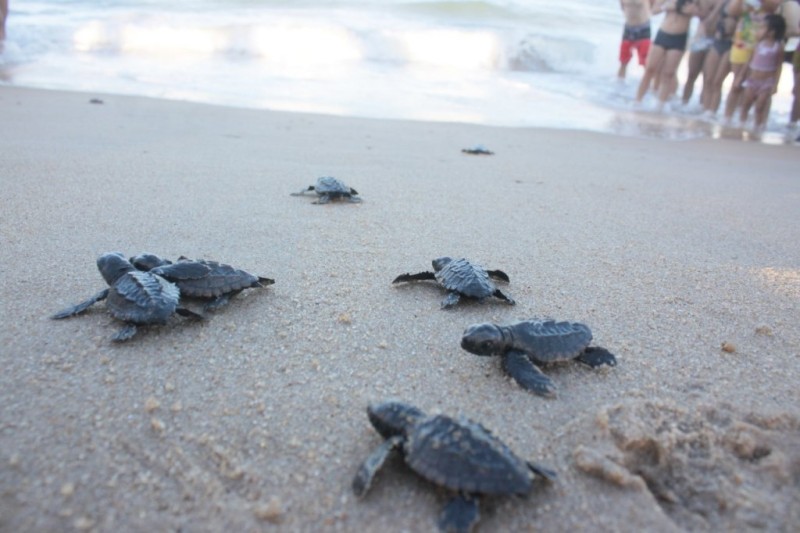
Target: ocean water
502,62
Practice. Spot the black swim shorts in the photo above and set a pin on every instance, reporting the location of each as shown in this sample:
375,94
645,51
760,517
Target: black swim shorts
671,41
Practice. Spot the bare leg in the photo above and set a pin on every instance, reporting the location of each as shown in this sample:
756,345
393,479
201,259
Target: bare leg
709,75
623,67
669,78
721,71
748,98
696,62
762,105
739,74
651,69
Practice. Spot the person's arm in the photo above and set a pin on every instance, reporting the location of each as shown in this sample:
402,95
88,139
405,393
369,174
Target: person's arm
778,72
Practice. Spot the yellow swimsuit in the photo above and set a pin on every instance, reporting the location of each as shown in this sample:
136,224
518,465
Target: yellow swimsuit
744,40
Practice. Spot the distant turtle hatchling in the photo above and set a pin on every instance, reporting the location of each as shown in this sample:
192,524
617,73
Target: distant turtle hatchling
459,278
457,454
526,344
135,297
218,284
478,149
329,188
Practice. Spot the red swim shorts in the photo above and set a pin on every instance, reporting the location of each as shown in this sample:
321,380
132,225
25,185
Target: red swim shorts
642,47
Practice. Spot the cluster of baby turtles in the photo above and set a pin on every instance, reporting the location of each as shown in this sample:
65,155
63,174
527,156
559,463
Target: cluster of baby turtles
459,455
147,289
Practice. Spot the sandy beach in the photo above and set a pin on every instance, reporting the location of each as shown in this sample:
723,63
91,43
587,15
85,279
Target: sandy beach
254,419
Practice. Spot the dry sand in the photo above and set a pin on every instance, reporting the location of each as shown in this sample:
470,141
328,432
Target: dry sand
255,419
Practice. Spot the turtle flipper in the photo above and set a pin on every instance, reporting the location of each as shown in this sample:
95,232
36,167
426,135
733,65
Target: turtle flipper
373,463
540,470
323,199
459,514
301,193
451,299
499,294
220,301
421,276
526,374
595,356
81,307
125,333
263,282
498,274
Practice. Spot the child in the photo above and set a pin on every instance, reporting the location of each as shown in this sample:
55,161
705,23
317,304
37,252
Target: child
750,14
764,70
636,34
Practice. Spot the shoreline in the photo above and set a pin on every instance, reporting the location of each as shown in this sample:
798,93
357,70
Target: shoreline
254,419
626,121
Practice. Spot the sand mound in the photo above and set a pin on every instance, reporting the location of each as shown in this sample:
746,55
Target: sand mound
709,468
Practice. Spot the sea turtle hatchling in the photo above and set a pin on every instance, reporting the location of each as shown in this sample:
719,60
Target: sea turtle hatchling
526,344
478,149
455,453
218,284
329,188
135,297
459,278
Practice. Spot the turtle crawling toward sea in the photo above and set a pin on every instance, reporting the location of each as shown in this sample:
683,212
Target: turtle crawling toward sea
217,284
478,149
455,453
526,344
459,278
135,297
329,188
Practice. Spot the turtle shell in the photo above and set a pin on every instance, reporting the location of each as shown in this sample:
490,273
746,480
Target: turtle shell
142,298
330,185
462,455
548,340
461,276
221,279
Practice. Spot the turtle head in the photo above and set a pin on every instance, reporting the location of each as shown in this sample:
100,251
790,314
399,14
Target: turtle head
148,262
393,418
440,262
484,339
113,266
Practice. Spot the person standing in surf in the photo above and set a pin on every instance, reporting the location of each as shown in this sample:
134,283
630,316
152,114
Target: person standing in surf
635,34
668,48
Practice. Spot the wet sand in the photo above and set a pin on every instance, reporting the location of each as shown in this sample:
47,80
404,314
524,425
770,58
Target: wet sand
254,420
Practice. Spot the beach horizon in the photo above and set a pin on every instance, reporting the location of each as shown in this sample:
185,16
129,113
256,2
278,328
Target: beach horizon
680,256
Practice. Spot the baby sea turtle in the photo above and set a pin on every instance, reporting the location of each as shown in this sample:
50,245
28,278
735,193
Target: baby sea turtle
529,343
459,277
457,454
478,149
135,297
329,188
218,284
